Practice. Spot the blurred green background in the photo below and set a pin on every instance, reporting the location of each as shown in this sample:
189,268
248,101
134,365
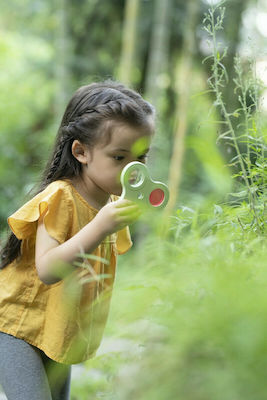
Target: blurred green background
49,48
188,313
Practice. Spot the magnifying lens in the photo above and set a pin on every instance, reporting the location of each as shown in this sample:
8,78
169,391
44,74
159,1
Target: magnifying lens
139,187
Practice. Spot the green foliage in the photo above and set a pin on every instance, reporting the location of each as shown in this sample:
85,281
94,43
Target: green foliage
95,53
251,178
25,114
203,160
95,379
192,310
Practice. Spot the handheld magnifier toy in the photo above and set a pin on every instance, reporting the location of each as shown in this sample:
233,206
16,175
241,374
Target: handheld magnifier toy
140,188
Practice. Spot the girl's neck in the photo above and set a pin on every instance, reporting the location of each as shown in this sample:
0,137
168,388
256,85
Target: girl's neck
94,196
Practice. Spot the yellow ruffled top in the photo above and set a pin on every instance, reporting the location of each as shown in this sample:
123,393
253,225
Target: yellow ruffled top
66,319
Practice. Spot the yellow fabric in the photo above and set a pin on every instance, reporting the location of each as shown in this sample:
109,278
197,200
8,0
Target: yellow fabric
66,320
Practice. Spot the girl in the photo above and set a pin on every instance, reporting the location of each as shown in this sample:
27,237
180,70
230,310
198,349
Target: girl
53,306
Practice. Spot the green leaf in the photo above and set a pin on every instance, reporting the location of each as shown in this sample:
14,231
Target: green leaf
243,193
218,209
93,257
96,278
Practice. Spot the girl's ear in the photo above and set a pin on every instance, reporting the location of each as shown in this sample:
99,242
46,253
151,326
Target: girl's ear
80,152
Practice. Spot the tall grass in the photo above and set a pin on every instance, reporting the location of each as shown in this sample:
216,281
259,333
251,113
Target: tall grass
190,313
200,302
241,127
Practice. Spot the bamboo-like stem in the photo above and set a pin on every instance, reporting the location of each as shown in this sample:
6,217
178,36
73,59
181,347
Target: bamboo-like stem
183,79
128,41
240,84
158,51
62,64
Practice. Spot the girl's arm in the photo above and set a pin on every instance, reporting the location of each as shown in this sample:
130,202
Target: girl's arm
50,255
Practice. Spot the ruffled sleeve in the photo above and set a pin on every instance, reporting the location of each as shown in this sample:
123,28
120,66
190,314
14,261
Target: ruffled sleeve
124,242
55,203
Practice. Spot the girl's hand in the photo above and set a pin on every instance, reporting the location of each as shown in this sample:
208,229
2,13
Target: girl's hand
116,215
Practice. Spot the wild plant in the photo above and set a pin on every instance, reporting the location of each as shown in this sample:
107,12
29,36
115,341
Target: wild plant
241,127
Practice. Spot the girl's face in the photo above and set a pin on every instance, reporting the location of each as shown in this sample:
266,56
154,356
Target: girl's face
105,161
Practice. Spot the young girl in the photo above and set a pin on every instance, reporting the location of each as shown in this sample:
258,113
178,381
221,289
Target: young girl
53,305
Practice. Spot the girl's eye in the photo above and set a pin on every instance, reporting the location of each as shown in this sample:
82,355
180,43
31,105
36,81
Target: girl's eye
143,157
119,158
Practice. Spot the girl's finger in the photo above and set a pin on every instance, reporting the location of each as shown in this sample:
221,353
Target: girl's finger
123,203
130,217
127,211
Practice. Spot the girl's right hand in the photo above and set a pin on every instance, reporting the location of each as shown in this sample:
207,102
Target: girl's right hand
116,215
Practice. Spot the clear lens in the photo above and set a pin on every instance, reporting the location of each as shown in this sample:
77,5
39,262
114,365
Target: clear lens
136,178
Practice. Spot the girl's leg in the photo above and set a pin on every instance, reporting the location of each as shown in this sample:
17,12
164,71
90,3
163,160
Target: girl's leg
27,373
22,372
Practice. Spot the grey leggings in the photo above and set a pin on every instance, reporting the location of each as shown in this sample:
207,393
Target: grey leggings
26,373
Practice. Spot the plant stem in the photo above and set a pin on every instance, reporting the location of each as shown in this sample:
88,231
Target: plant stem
218,76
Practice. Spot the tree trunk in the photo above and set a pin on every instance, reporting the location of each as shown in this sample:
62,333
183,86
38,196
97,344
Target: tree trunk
63,54
62,65
183,80
158,54
128,41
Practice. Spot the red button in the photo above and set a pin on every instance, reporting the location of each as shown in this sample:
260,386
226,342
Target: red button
156,197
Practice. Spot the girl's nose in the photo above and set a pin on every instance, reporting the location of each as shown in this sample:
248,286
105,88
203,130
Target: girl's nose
135,177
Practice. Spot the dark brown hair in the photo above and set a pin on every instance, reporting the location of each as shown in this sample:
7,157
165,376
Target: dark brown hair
87,111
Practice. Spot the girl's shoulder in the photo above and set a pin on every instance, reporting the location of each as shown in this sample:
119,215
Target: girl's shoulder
55,202
64,185
60,189
53,193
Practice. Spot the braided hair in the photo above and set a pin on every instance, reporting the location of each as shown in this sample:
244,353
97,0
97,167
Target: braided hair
84,120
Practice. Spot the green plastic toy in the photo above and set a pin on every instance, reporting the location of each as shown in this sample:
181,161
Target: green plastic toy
140,188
